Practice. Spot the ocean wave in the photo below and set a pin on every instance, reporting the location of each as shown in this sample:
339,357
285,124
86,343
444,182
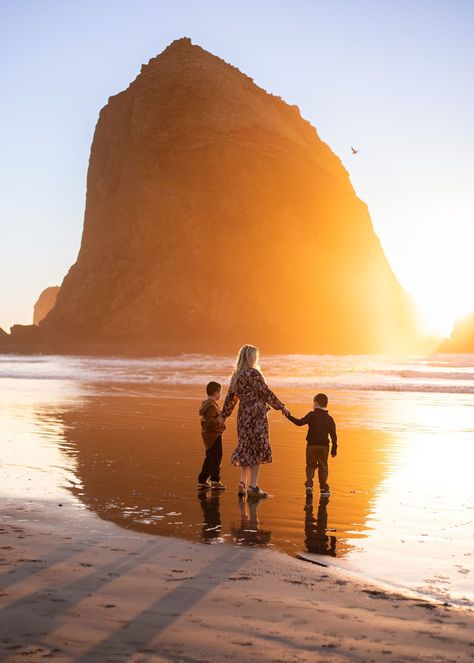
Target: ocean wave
290,383
434,375
415,374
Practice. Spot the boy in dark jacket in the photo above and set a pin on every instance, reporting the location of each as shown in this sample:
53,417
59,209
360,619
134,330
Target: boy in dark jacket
321,427
211,432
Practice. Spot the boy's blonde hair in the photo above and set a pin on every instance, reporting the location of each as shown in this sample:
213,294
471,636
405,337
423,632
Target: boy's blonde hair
248,357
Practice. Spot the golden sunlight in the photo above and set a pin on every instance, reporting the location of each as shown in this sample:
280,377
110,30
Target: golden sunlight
438,314
441,302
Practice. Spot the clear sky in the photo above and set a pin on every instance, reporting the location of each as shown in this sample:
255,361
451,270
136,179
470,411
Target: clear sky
394,78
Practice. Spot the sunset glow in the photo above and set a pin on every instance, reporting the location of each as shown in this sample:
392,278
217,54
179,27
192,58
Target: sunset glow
237,330
438,319
436,272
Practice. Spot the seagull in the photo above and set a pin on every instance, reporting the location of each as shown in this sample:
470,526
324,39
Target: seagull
354,151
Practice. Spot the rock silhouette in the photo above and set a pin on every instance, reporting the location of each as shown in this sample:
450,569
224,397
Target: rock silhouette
45,303
215,215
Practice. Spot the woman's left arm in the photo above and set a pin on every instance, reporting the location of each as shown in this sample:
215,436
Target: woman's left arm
229,404
266,393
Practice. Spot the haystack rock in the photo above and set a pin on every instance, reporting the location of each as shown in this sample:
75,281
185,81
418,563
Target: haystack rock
45,303
462,337
215,215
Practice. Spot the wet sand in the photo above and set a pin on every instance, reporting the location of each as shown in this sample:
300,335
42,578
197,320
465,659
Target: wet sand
73,588
133,454
121,439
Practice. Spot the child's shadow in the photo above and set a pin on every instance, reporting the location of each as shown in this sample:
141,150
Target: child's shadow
316,538
250,533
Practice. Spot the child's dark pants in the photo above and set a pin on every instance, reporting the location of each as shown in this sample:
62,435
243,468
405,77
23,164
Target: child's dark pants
211,467
317,458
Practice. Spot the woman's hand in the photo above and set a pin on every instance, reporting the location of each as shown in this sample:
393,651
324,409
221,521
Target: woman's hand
285,411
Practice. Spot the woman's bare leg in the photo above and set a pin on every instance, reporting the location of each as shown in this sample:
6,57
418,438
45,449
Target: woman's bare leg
244,474
254,470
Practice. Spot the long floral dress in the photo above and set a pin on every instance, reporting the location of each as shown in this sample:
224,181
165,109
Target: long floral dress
250,389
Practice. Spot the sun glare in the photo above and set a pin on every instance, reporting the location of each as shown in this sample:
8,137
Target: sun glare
439,314
435,320
437,291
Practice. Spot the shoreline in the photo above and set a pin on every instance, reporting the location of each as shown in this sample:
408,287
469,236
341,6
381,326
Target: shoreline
74,587
356,575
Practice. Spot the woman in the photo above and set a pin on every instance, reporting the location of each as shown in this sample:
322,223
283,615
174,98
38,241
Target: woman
248,386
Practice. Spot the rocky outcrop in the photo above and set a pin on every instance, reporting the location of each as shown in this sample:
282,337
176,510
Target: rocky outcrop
462,337
45,303
27,338
215,215
5,341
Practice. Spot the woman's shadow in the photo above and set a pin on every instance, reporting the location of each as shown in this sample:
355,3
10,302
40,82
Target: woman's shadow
316,538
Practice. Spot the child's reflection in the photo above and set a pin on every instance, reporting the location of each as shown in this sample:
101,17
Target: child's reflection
211,528
249,532
317,541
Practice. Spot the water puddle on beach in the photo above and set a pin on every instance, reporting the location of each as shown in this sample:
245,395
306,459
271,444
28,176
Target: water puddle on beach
120,439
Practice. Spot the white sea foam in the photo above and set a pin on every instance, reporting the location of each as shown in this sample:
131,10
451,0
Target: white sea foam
436,374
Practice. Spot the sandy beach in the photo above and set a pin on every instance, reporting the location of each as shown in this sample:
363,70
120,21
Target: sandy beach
76,591
107,552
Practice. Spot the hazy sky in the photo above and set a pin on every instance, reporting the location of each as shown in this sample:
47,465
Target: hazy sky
393,78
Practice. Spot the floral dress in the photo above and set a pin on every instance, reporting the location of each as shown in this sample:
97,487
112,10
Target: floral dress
253,445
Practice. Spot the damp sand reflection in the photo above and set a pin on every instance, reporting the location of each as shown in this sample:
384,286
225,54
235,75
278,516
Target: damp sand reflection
130,452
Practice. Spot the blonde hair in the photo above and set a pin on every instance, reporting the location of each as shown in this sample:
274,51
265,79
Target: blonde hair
247,358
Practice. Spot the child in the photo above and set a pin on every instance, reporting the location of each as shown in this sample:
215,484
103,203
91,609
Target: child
211,431
321,426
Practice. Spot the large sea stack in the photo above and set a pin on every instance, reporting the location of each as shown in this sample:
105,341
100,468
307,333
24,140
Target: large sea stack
215,216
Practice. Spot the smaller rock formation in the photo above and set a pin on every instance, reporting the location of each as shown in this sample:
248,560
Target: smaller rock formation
26,338
5,341
462,337
45,303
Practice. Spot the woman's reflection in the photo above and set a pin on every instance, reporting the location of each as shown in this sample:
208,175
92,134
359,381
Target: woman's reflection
316,538
249,532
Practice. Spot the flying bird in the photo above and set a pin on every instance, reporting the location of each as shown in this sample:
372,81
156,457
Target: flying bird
354,151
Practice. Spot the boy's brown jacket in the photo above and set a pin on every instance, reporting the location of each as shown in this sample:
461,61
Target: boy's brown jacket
210,428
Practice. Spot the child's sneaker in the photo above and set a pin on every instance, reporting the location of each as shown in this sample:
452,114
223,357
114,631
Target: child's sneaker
325,493
309,490
255,491
217,485
204,484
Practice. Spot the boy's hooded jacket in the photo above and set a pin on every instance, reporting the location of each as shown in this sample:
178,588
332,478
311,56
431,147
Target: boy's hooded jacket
210,428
